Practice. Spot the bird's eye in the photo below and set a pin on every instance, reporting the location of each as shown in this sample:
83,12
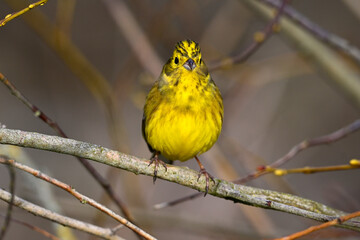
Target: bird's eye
176,60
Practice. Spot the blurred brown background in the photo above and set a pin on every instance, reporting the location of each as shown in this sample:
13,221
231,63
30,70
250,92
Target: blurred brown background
273,101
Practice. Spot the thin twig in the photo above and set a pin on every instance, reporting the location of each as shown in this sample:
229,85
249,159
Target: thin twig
177,201
11,202
42,191
309,230
354,164
187,177
259,39
342,76
104,233
11,16
35,228
82,198
38,113
326,139
319,32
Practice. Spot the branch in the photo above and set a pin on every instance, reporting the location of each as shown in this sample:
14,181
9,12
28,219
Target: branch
322,34
262,170
41,115
353,164
104,233
334,222
11,202
35,228
135,36
325,139
44,194
82,198
341,75
259,39
187,177
11,16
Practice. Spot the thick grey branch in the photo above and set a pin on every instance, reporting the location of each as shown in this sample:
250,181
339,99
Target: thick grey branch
181,175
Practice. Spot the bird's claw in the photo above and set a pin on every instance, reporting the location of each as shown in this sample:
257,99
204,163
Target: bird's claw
156,161
207,177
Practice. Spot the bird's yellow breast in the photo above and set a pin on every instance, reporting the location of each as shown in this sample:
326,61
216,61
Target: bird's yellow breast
183,120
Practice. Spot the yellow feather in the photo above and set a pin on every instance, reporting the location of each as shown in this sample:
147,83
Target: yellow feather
183,112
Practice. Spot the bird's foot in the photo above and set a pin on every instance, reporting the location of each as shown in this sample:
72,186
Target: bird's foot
155,159
207,177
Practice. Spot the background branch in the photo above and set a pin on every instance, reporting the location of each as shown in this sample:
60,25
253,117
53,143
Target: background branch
11,16
41,115
340,73
39,192
305,144
319,32
184,176
6,223
134,36
82,198
104,233
336,221
259,39
353,164
35,228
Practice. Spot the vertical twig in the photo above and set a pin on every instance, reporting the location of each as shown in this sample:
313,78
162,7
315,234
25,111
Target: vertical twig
11,203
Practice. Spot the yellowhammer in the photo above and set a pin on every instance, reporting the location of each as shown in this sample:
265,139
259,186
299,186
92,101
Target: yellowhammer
183,113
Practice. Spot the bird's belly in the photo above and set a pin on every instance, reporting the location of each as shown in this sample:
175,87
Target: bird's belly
181,134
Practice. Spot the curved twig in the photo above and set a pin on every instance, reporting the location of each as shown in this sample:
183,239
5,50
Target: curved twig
104,233
309,230
258,41
84,199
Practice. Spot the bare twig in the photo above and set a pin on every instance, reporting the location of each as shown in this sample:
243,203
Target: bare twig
181,175
259,39
82,198
334,222
11,16
42,191
322,34
326,139
104,233
340,74
38,113
177,201
35,228
354,164
11,202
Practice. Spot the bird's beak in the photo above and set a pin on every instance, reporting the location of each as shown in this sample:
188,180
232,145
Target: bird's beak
189,64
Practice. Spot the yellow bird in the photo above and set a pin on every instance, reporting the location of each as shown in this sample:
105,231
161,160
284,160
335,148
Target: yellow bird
183,113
